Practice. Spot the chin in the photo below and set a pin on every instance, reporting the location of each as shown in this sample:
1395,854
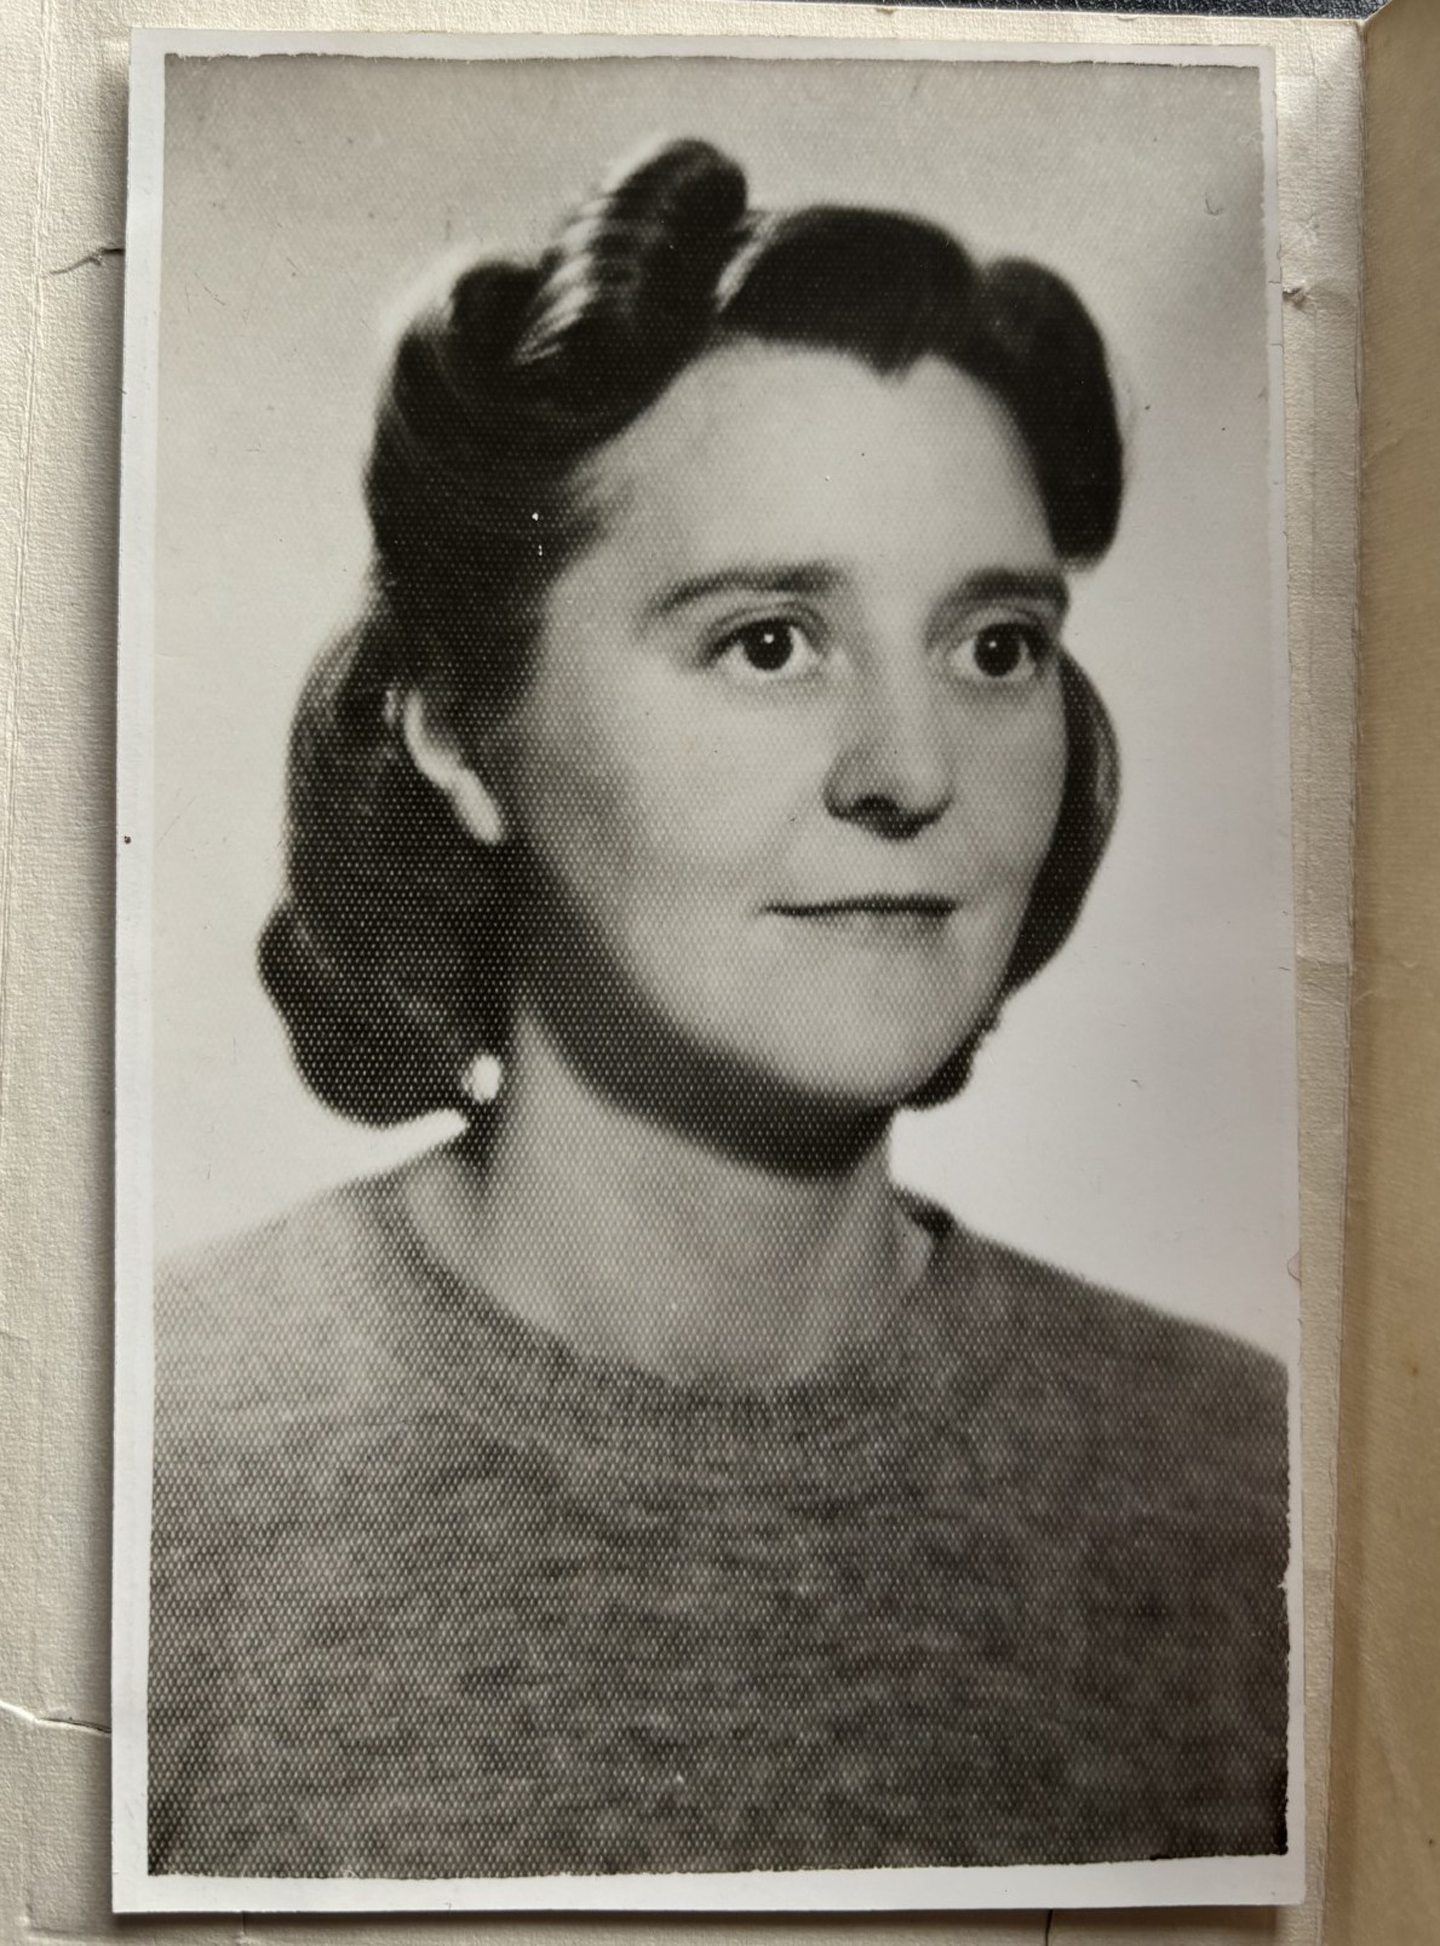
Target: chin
857,1047
874,1028
874,1074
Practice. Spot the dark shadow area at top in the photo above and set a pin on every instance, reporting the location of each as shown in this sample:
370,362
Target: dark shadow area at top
1240,9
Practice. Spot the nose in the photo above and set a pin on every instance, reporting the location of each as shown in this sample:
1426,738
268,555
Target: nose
894,770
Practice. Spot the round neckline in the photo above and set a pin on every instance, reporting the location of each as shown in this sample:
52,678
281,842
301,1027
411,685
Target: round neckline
605,1399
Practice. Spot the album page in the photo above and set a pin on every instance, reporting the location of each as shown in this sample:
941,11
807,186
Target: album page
1384,1877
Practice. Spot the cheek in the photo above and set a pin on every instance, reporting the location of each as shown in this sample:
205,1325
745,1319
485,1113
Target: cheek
642,805
1014,791
570,809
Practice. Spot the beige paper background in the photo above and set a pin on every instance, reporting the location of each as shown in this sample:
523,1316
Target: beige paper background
62,81
1386,1789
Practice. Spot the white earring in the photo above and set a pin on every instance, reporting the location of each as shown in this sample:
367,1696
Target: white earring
443,766
483,1078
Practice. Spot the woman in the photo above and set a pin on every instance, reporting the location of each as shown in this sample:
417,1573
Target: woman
640,1482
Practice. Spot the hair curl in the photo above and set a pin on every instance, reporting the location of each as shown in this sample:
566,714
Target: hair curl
388,955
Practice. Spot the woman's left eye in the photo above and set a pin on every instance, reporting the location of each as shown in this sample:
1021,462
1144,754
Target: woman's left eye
1003,654
773,649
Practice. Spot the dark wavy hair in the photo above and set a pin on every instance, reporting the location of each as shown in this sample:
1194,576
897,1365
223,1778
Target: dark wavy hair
388,955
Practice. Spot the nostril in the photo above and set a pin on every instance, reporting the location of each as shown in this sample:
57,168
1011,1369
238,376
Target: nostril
888,818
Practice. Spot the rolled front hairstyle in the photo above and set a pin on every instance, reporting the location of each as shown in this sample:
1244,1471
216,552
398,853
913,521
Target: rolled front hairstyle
389,954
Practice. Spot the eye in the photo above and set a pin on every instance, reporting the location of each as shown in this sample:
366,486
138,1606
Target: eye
772,649
1002,654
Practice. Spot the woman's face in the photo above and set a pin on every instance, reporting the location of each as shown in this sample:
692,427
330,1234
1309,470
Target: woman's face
793,748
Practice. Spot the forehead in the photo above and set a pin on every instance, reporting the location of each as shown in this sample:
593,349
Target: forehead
759,450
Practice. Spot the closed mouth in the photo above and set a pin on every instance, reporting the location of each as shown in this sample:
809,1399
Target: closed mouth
877,905
884,922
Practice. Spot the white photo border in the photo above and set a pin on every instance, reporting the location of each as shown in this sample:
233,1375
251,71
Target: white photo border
1274,1880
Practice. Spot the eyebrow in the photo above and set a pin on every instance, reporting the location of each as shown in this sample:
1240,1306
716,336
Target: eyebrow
756,578
812,578
1045,586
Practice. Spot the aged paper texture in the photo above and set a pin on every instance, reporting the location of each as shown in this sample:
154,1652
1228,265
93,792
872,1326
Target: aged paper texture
1385,1784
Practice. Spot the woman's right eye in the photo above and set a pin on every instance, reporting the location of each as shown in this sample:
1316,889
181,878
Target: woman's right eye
773,649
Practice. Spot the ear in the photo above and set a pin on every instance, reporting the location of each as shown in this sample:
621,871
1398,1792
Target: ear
437,760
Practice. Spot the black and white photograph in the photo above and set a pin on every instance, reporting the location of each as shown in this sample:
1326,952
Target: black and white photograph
706,1133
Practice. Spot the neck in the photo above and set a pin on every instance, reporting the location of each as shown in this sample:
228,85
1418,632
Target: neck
624,1234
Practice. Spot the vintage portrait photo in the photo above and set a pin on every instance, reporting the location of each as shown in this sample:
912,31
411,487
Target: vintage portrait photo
706,1215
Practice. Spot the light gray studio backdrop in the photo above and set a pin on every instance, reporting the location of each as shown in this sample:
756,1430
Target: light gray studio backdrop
1134,1117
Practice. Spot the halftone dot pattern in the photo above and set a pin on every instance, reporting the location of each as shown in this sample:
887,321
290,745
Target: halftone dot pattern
438,1594
434,1594
390,955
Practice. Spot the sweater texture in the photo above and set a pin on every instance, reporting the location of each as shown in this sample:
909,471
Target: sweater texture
433,1595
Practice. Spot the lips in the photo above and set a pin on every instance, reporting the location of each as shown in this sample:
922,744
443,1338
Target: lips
879,919
916,905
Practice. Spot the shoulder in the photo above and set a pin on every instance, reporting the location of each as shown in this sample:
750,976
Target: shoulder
275,1390
288,1317
325,1233
1117,1345
275,1410
1143,1460
1178,1409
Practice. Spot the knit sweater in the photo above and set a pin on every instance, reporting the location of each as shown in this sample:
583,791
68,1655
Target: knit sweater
434,1595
